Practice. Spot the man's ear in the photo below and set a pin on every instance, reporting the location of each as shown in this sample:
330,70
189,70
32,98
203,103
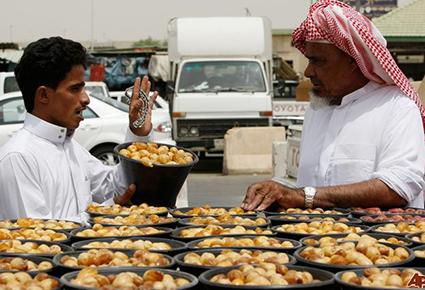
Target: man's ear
42,95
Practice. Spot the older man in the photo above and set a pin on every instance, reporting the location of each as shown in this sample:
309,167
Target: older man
363,135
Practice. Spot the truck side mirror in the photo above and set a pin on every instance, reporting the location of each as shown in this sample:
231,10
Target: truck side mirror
170,90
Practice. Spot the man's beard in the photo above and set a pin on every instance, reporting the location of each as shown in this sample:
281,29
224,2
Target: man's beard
317,102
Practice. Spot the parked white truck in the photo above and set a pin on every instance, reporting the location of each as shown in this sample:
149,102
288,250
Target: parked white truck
8,83
221,71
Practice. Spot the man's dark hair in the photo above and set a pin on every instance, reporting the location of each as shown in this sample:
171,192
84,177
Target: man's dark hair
46,62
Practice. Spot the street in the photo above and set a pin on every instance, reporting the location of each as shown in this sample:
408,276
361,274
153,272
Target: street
218,190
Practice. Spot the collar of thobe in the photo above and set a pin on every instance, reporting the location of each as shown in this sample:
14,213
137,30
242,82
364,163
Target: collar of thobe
363,92
45,130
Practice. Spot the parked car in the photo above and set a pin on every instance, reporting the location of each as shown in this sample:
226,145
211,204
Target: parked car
104,125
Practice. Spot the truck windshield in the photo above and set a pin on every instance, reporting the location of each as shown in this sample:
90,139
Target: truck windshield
221,76
10,85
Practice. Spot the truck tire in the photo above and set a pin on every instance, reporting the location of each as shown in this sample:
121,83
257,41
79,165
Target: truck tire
105,153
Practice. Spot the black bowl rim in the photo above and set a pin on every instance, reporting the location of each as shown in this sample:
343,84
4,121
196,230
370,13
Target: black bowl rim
297,244
126,144
179,257
33,227
183,209
340,267
162,224
337,236
64,248
65,232
193,280
344,212
365,229
203,278
184,221
360,271
35,259
388,215
166,231
278,217
419,248
57,257
174,233
373,229
76,245
410,236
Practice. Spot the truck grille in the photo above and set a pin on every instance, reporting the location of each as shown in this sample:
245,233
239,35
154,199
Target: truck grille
216,128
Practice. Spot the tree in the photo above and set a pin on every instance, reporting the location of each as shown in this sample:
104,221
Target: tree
150,42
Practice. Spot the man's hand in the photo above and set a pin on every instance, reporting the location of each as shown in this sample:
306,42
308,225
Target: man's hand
125,198
261,195
136,104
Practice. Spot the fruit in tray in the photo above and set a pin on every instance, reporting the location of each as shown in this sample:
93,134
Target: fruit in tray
89,277
350,237
365,252
117,209
215,211
129,244
244,242
22,264
420,253
402,228
419,239
107,258
306,218
393,218
123,231
17,246
151,153
318,228
228,258
22,281
317,210
227,219
214,230
133,219
32,234
39,223
377,210
382,278
264,274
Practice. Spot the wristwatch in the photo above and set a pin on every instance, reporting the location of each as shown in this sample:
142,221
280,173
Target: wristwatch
309,193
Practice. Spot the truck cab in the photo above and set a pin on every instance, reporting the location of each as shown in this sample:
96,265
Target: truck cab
8,83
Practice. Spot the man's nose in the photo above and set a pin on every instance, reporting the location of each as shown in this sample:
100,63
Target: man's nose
309,71
85,98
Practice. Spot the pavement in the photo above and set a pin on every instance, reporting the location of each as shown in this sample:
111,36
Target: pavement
216,189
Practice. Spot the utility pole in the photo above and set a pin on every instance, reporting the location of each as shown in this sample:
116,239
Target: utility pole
91,24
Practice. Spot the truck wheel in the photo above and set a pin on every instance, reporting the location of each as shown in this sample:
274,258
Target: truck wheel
105,153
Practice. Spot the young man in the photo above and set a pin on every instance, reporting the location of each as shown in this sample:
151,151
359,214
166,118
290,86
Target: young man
363,135
44,173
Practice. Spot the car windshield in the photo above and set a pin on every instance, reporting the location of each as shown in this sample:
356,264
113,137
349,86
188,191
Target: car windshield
221,76
114,103
95,91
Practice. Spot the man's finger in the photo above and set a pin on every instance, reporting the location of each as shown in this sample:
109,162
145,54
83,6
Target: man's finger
153,99
146,85
136,88
250,193
267,201
258,197
124,198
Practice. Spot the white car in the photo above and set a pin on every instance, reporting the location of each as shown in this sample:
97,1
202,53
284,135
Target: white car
104,125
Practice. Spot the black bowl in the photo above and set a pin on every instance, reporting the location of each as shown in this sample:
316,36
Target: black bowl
198,269
165,233
66,241
34,259
158,185
407,243
186,222
327,280
169,224
296,245
359,272
415,243
65,230
365,218
298,218
335,268
343,212
63,247
63,269
66,279
176,246
418,261
299,236
374,229
176,233
95,214
184,211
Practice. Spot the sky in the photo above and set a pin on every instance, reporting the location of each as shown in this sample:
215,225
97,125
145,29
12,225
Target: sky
130,20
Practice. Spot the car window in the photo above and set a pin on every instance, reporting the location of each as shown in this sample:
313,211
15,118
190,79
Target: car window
12,111
89,113
10,85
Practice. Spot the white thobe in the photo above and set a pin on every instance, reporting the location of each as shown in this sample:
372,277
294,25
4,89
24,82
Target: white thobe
376,132
45,174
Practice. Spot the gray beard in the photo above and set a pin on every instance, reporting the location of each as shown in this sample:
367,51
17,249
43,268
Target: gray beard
317,102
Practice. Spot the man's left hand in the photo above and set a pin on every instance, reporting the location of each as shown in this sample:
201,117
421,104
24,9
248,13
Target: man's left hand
125,198
261,195
136,104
